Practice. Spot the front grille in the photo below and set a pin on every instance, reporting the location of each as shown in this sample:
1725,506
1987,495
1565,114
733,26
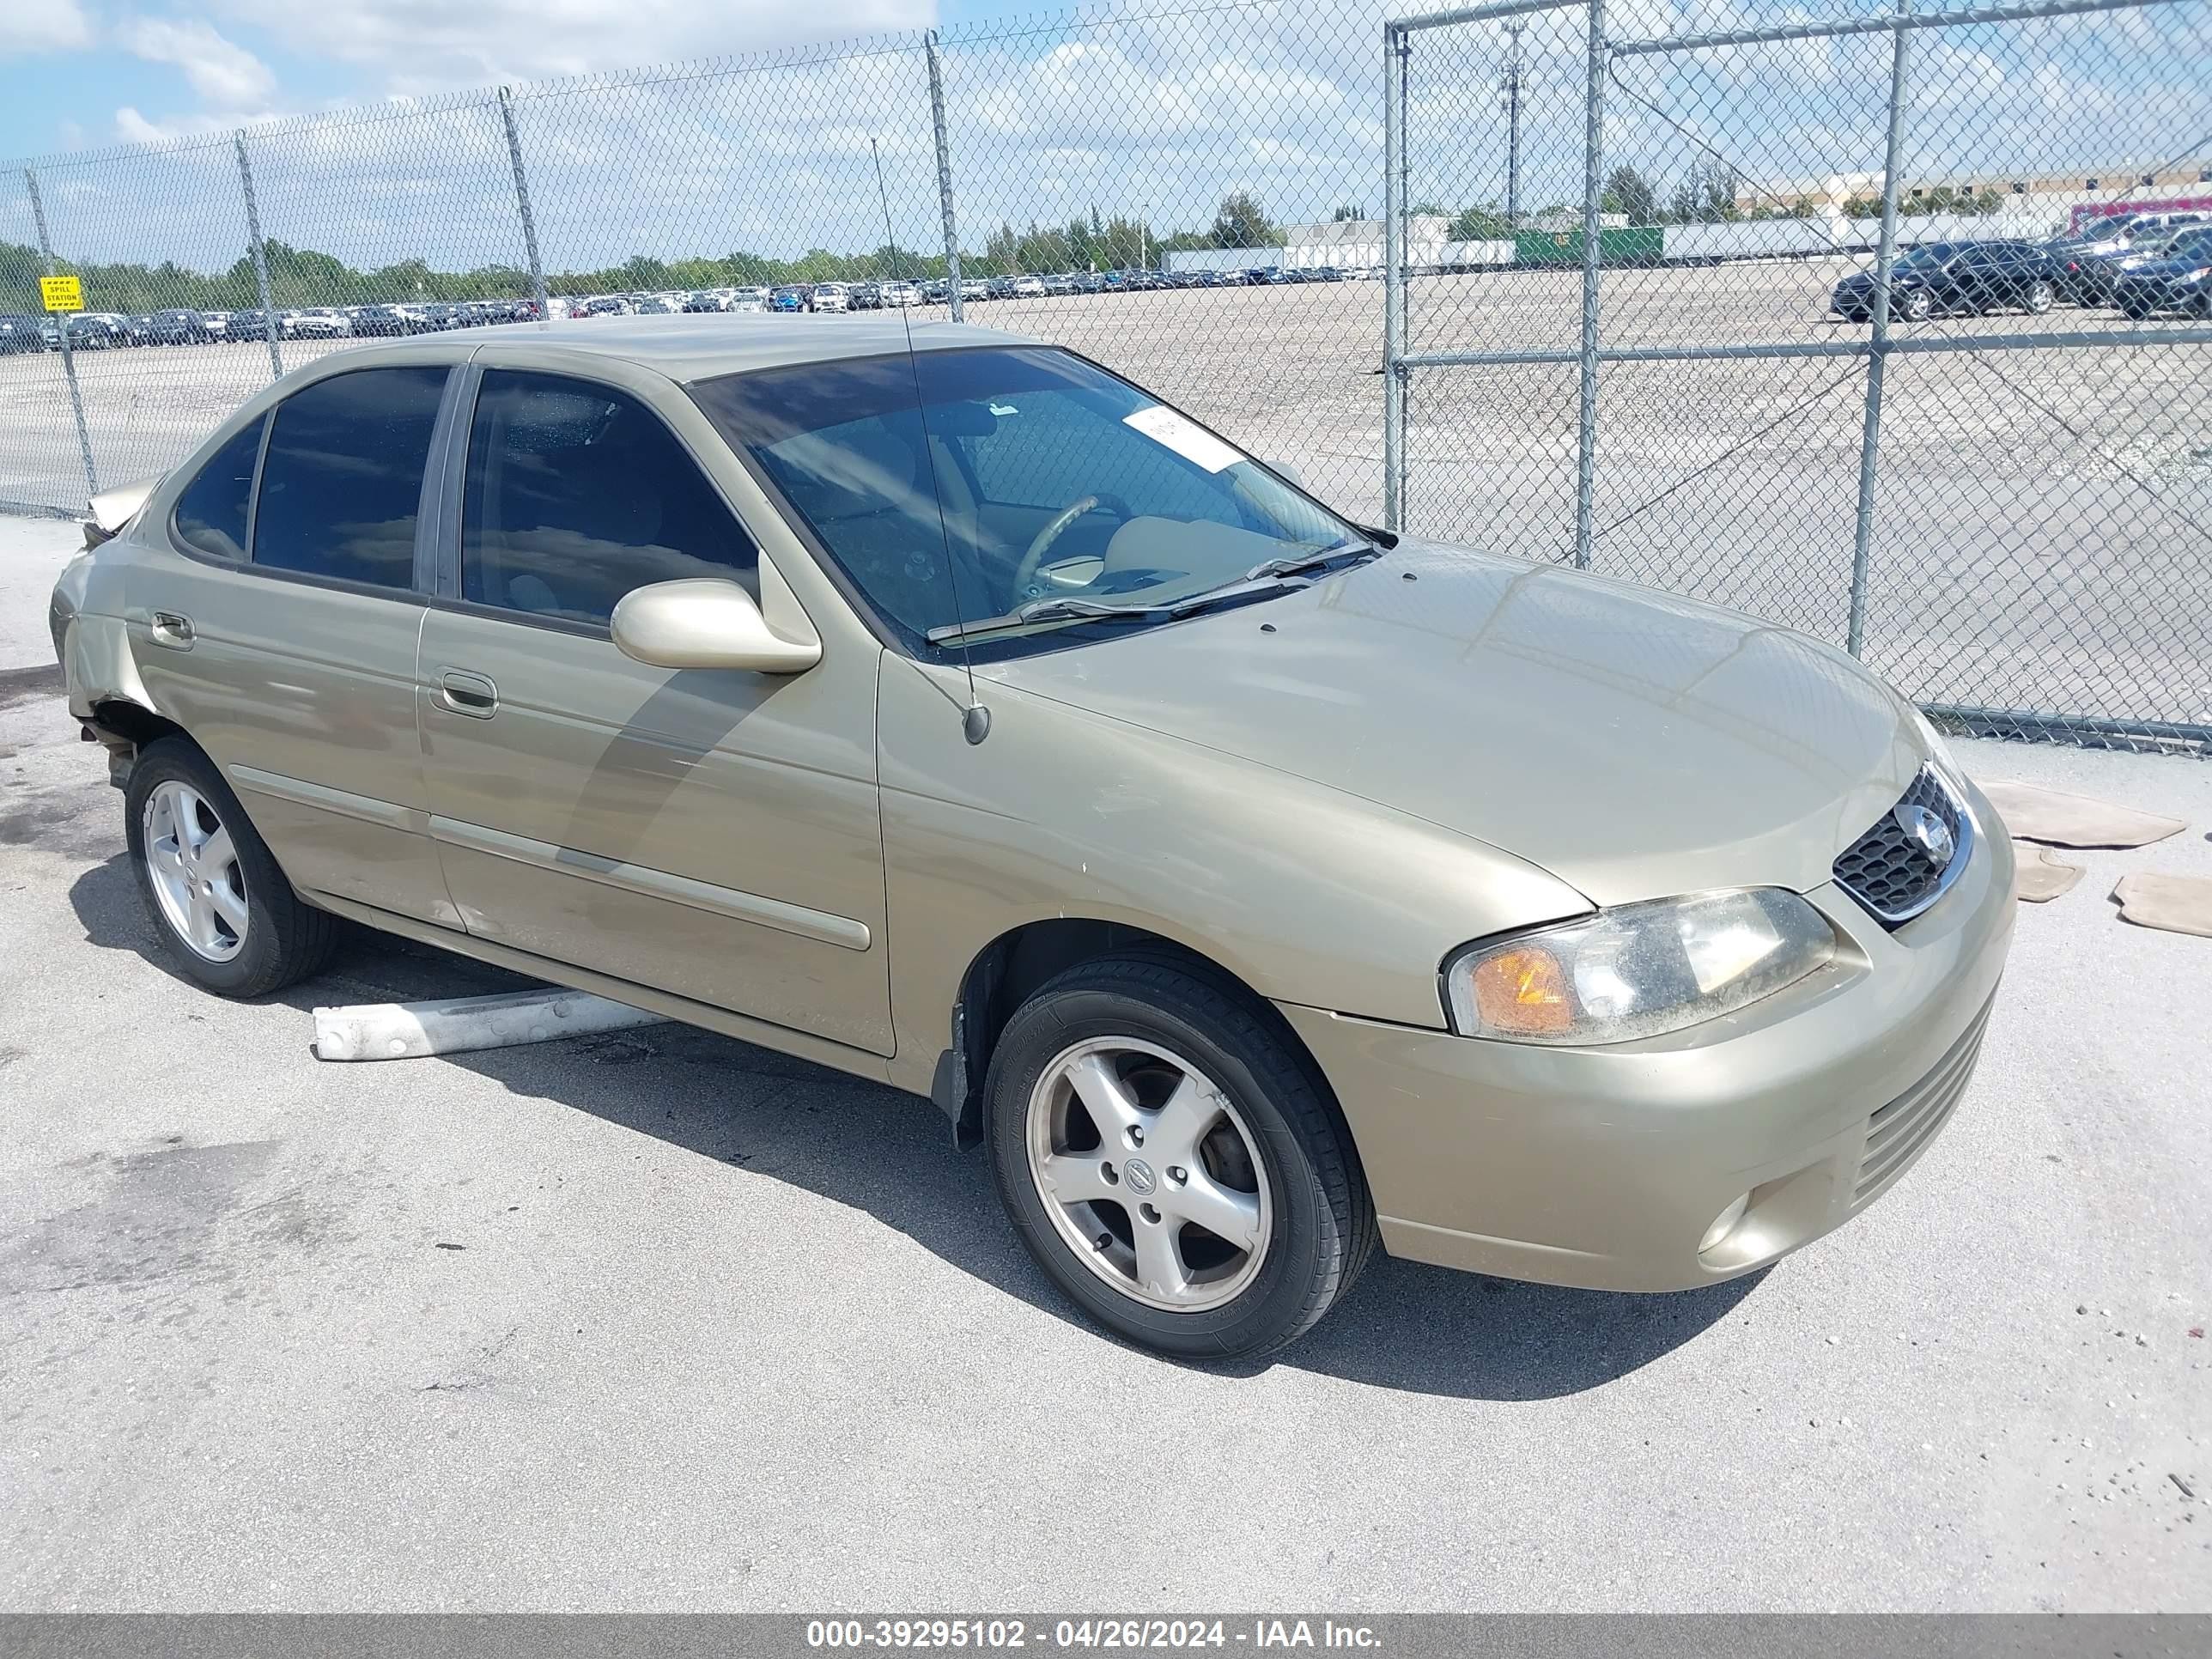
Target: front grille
1896,1134
1891,873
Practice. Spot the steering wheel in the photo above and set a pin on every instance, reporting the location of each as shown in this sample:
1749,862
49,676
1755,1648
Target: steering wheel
1025,586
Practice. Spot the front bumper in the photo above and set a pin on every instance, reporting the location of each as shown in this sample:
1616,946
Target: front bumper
1604,1167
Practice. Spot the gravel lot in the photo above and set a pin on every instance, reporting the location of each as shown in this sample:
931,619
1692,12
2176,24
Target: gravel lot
662,1322
2041,537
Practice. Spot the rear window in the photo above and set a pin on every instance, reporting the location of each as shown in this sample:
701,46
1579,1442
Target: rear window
342,480
211,515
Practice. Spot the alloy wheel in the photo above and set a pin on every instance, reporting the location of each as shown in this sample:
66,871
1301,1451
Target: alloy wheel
2040,296
193,863
1151,1175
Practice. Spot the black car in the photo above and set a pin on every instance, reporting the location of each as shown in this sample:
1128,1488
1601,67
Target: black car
20,333
1963,279
2090,265
2178,278
381,320
248,325
97,331
179,328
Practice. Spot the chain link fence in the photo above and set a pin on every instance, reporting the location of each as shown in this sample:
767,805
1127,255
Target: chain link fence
1669,289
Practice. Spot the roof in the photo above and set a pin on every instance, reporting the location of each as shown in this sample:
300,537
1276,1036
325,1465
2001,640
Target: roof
700,346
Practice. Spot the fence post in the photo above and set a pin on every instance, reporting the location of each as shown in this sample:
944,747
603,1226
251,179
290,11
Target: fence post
62,335
1397,49
522,201
269,322
1593,188
944,177
1885,259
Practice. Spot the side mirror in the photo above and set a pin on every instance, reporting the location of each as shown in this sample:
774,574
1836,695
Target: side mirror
712,622
1289,474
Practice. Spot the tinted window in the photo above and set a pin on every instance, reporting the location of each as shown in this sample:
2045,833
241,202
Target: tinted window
344,476
576,494
211,515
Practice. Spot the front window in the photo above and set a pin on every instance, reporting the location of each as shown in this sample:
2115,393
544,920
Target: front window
956,486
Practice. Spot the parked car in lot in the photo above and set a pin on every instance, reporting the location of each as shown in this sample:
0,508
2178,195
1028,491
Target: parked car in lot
178,327
749,299
2175,278
321,323
897,296
832,296
97,331
975,288
1968,278
372,322
1028,288
606,305
2086,264
790,297
1581,933
20,333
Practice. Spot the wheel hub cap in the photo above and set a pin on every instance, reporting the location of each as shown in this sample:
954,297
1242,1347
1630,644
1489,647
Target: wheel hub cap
1183,1225
198,886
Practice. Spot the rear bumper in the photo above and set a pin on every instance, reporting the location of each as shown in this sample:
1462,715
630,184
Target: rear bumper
1604,1167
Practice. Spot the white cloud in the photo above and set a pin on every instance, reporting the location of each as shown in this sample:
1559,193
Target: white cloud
31,26
426,44
223,72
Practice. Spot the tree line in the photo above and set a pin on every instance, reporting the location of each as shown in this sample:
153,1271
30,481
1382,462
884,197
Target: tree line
1705,194
305,276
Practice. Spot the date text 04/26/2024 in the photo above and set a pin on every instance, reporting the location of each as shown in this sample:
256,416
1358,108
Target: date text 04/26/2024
1118,1633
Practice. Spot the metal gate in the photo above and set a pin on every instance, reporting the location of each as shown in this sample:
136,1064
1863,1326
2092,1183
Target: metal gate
2025,544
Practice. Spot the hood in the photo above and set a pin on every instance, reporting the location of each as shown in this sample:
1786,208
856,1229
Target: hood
1634,744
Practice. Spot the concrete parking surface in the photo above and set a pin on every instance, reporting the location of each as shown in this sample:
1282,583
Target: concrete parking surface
658,1320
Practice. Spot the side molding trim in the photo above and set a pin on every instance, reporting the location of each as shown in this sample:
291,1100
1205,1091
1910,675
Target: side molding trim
785,918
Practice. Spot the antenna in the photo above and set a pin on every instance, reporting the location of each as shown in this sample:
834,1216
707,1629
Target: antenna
975,719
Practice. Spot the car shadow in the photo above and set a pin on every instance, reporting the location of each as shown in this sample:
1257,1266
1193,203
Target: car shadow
739,1108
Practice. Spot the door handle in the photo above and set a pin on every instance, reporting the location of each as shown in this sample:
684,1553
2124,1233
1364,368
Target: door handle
468,694
171,629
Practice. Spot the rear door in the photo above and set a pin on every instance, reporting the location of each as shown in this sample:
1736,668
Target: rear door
284,639
711,833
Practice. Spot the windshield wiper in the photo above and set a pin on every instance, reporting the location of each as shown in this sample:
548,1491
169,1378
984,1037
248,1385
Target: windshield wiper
1051,610
1303,564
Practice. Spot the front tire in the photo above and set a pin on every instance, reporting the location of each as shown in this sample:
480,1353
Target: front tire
226,917
2038,299
1176,1167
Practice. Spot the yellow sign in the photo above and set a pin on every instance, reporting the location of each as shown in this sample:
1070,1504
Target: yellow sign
62,293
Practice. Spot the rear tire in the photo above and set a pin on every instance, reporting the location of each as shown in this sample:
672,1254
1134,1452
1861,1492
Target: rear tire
226,917
2038,299
1176,1166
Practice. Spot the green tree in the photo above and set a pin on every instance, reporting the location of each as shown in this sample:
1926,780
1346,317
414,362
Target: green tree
1628,191
1243,222
1706,195
1484,222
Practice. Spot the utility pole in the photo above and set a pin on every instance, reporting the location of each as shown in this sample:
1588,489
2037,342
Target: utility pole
1514,70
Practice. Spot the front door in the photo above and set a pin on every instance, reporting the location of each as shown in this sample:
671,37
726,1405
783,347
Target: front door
706,832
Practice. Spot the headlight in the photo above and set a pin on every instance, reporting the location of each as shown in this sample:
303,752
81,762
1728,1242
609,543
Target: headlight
1637,970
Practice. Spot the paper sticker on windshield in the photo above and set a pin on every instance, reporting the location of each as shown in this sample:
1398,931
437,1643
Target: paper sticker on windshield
1191,441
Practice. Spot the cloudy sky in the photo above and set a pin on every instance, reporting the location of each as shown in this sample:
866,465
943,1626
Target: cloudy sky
1153,111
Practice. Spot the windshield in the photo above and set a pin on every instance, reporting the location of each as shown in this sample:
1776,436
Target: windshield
2196,244
1057,481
